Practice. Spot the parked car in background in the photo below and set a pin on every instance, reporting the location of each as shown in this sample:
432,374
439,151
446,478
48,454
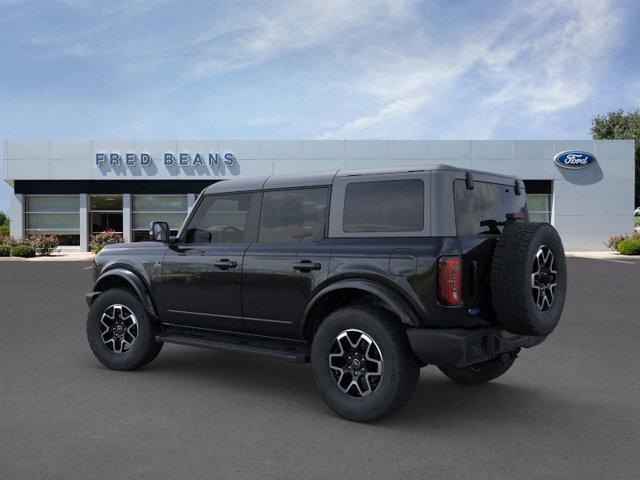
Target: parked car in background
369,275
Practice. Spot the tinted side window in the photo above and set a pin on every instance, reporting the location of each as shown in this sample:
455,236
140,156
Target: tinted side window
220,219
487,203
386,206
293,215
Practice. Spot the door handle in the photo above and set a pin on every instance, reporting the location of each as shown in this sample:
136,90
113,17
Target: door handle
225,264
307,266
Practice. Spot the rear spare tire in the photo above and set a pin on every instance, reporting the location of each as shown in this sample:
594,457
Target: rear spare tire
529,278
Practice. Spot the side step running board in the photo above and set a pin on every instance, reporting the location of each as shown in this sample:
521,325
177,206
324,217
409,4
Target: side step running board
297,355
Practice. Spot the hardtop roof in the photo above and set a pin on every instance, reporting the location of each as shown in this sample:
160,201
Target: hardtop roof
325,178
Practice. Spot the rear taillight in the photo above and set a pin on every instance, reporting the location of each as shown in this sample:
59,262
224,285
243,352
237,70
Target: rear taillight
449,280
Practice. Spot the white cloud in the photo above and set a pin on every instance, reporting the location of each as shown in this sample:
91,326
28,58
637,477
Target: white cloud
394,110
390,64
552,65
292,26
542,57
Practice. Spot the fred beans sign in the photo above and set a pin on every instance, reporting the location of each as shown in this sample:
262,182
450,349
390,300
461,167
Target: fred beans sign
169,159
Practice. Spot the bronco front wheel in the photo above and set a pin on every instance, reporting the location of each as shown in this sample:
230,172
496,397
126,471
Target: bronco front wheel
119,331
362,363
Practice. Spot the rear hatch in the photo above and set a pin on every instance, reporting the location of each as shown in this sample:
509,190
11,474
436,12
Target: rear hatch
481,209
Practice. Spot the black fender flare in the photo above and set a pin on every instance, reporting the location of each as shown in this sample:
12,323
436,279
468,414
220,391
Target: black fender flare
132,279
396,303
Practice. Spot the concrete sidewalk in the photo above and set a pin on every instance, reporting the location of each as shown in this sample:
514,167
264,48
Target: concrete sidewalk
602,255
62,255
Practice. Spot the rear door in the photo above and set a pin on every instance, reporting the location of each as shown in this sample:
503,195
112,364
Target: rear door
202,272
289,260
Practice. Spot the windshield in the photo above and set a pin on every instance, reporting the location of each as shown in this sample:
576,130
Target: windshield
479,211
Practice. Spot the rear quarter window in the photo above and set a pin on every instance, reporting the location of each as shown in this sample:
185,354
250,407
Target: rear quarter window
384,206
487,202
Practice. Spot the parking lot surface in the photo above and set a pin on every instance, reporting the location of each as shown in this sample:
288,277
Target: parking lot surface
569,408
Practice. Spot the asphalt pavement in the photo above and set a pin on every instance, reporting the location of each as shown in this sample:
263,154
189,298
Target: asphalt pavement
569,408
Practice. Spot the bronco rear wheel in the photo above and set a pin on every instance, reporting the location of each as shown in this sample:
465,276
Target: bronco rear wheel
362,363
529,278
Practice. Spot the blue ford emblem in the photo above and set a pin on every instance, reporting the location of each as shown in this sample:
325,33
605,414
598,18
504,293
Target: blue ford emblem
574,159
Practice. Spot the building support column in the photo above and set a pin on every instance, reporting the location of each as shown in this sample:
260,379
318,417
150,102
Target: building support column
17,215
191,199
126,217
84,222
552,206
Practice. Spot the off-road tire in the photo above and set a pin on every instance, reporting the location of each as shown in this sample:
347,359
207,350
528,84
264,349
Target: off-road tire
400,367
480,373
511,278
145,348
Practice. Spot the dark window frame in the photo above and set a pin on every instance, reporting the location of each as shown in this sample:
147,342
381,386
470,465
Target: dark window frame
422,206
340,183
325,230
253,216
460,181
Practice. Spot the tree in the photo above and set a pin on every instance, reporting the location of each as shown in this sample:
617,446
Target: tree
4,224
620,125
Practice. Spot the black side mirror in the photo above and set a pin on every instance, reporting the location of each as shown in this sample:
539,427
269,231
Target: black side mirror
159,232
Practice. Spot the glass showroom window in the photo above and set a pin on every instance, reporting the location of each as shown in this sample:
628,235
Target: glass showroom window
149,208
54,215
539,206
106,213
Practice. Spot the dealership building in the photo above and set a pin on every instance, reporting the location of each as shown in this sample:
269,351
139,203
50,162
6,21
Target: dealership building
76,188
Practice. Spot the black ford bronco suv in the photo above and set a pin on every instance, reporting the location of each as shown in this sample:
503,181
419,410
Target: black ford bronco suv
369,275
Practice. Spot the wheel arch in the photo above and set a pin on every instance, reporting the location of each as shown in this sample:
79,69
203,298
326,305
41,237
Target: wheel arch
350,292
123,278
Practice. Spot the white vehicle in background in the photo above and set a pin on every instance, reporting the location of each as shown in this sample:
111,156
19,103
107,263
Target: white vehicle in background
636,212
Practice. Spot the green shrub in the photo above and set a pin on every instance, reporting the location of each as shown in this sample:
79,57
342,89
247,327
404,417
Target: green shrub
613,241
4,231
23,250
44,244
15,241
99,240
630,246
5,250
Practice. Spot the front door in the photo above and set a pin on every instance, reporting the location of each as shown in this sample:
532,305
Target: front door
202,271
288,262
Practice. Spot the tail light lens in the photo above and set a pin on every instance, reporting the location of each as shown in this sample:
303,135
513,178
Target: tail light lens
449,280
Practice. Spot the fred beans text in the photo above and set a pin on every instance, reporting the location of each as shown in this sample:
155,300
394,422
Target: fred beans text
213,159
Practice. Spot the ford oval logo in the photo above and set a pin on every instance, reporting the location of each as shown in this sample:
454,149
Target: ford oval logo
574,159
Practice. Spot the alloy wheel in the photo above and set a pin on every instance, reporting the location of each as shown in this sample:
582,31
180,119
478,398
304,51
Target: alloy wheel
118,328
544,278
356,363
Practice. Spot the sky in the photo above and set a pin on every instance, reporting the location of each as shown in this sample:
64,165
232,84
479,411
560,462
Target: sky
285,69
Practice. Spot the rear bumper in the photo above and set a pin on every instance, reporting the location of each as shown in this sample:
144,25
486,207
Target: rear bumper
457,347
